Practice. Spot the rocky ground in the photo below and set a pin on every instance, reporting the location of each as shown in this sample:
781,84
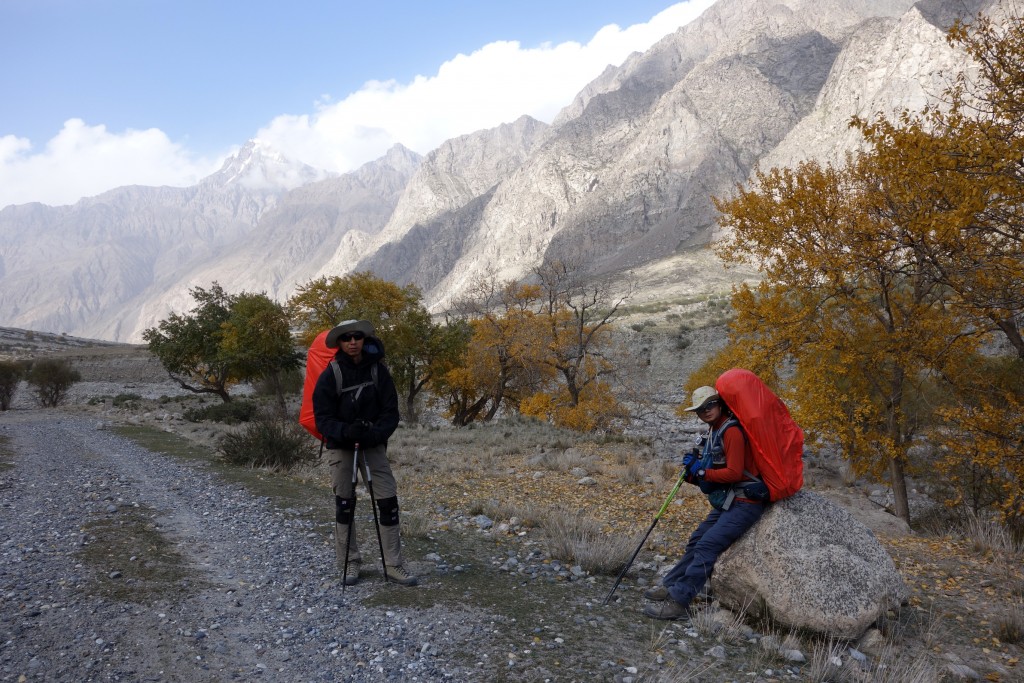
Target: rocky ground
129,552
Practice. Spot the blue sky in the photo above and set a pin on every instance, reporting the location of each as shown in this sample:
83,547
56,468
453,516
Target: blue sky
102,93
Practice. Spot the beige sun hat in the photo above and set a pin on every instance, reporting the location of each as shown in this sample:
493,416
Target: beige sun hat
702,395
345,326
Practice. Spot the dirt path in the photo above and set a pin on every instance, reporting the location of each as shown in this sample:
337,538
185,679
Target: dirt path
120,564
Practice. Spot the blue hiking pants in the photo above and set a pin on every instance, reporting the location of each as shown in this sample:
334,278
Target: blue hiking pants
709,540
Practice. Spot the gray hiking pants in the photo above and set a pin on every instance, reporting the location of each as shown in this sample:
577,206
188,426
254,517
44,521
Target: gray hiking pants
385,490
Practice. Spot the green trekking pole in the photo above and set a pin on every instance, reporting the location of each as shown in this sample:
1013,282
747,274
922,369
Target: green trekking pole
671,495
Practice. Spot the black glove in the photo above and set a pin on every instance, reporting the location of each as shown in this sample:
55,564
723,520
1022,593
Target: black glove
356,431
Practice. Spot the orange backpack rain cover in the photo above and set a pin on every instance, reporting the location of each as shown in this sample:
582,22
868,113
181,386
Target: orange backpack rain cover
317,359
777,440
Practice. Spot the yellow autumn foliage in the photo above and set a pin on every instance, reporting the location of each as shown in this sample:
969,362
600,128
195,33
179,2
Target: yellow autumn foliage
886,276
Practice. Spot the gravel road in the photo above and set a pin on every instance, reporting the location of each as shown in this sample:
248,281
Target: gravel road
255,594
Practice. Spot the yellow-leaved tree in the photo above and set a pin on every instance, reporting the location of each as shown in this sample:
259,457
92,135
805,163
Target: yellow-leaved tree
413,342
499,364
846,302
889,280
576,314
975,142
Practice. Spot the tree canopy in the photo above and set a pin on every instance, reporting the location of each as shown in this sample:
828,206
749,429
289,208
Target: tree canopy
542,348
223,340
889,279
397,314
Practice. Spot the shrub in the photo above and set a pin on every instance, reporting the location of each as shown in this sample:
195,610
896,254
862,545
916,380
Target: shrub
228,413
52,378
122,399
271,442
10,375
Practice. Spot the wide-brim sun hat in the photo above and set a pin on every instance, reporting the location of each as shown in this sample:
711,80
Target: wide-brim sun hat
346,326
702,395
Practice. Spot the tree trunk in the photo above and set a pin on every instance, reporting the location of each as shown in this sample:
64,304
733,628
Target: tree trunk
899,490
1012,332
275,381
897,479
411,416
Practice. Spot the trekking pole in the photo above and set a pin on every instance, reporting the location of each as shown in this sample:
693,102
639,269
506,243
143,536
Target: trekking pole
352,520
376,520
671,495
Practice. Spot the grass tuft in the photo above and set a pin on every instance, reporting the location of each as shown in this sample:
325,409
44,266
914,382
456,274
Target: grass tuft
578,539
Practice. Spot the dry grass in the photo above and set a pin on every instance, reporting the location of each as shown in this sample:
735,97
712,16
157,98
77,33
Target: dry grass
826,661
896,665
989,536
1009,628
660,636
578,539
416,525
507,511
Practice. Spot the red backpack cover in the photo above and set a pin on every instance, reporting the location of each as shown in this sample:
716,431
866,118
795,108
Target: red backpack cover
317,359
778,442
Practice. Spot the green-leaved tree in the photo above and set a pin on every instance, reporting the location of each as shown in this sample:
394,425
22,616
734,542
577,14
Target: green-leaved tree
225,339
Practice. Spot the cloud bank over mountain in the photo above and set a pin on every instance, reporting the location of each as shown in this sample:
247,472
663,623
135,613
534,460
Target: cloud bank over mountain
493,85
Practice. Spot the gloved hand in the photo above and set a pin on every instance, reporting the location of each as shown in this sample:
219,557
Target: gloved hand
688,460
356,430
694,472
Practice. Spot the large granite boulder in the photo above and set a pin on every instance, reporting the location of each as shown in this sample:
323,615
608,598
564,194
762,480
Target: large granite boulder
810,565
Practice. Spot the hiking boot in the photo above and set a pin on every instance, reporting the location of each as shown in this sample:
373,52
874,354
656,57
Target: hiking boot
656,594
668,609
352,577
400,576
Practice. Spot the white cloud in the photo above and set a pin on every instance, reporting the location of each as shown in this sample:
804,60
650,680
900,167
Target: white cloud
82,161
495,84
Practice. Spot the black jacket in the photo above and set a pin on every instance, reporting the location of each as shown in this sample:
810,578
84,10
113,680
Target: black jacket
377,404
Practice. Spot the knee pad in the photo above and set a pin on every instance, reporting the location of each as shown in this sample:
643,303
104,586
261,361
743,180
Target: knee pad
388,511
343,508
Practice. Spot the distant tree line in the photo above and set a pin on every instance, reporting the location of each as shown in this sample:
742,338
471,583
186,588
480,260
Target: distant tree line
51,378
543,349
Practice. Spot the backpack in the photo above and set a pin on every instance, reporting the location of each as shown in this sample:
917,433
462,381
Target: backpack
318,358
778,442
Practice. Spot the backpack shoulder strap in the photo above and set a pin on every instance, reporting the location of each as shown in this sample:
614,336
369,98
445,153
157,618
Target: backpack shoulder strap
339,379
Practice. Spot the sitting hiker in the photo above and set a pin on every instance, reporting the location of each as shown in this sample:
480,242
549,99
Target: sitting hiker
723,467
364,413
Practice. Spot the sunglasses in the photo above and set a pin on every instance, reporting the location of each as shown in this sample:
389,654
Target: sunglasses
351,336
708,406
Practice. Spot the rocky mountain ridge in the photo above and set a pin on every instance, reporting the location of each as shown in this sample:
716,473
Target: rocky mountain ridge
623,178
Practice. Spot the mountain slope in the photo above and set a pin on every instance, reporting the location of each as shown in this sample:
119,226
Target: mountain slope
623,178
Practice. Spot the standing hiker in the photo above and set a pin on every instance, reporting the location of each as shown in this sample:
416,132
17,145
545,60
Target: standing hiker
723,467
363,413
